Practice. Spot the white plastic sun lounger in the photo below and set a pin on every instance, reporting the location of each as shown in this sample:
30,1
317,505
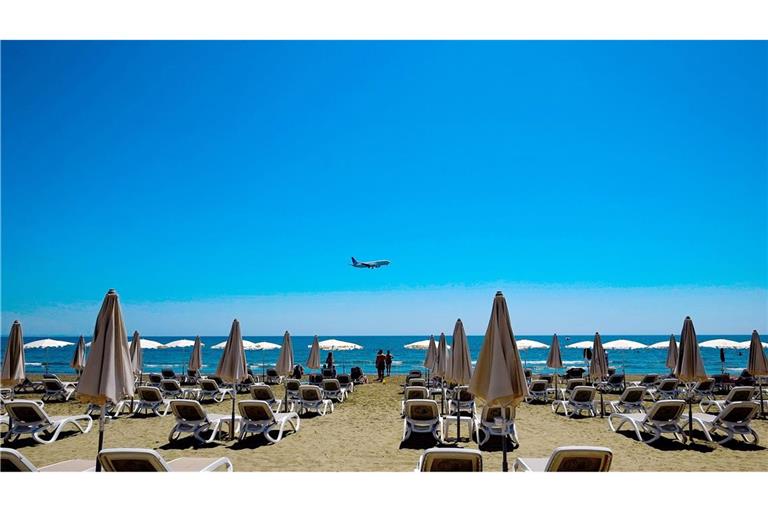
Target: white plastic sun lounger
264,393
422,416
582,399
55,389
667,389
569,458
493,424
191,418
141,459
631,400
151,400
662,418
257,417
733,420
737,394
30,419
311,400
332,390
450,459
13,461
209,389
114,410
413,393
537,391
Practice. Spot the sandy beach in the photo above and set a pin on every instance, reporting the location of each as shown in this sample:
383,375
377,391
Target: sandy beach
364,433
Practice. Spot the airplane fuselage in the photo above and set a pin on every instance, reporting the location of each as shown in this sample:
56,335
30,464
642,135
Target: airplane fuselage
369,264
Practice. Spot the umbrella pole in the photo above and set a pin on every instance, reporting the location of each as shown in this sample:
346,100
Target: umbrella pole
101,434
504,463
232,423
760,397
602,407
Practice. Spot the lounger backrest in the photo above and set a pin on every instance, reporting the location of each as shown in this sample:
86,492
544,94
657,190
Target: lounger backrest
311,393
537,385
739,412
331,385
633,394
188,410
417,382
343,379
292,384
491,413
262,392
465,395
414,373
155,378
170,385
416,393
26,411
12,461
422,410
451,459
150,394
616,378
132,460
271,372
649,379
53,384
583,394
740,394
208,385
168,373
573,383
706,385
668,385
666,410
580,458
256,410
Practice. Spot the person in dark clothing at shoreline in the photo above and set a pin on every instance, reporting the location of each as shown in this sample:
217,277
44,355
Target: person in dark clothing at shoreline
381,364
388,360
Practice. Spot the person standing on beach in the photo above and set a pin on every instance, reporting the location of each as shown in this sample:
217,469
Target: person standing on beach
381,364
389,363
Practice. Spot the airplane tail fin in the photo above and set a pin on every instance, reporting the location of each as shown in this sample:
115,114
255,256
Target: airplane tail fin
354,261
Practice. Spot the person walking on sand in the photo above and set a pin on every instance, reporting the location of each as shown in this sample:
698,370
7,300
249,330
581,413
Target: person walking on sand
381,364
389,363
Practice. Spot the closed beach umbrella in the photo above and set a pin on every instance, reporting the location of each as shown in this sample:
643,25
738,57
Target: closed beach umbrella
690,367
285,363
554,359
429,360
671,362
499,377
137,356
108,373
313,361
757,365
78,358
232,366
460,366
196,357
13,360
598,367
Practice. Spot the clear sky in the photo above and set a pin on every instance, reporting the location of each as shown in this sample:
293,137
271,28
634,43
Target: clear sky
619,185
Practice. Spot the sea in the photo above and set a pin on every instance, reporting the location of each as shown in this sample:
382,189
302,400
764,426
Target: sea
634,362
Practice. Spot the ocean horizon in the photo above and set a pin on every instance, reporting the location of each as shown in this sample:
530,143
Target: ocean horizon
639,361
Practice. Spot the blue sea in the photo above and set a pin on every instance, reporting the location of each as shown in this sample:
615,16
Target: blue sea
632,362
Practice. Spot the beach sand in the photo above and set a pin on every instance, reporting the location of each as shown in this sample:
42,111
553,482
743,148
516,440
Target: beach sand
364,433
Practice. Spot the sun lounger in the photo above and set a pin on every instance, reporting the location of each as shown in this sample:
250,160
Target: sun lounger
422,416
292,390
413,393
733,420
28,418
155,379
537,392
613,384
151,400
272,377
13,461
57,390
6,393
114,410
667,389
210,390
450,459
494,423
191,418
417,382
332,390
311,399
264,393
736,394
582,399
662,418
346,383
704,390
648,381
631,400
170,388
140,459
569,458
464,400
244,385
257,417
28,386
565,391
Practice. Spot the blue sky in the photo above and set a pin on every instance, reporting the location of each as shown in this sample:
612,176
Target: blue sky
235,175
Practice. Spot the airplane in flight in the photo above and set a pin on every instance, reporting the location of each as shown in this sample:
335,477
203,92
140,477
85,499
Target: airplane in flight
369,264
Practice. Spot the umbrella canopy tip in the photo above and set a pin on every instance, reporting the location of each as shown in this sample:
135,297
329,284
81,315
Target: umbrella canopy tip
15,322
499,294
111,291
